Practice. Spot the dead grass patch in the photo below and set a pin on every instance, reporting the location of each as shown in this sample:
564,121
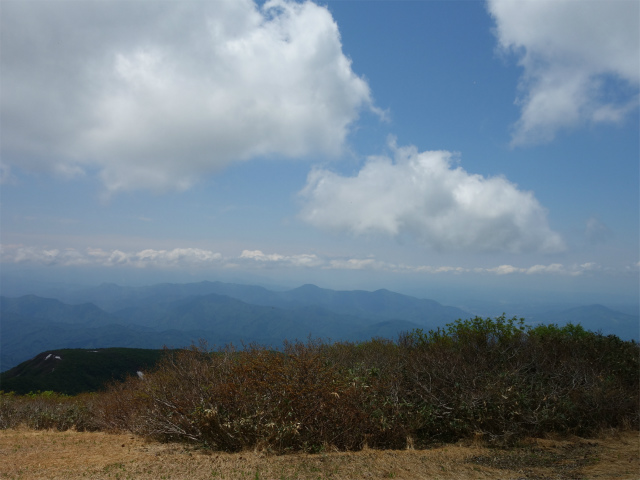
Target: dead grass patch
30,454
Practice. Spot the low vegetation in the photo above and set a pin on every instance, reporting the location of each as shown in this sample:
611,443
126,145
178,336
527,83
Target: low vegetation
490,379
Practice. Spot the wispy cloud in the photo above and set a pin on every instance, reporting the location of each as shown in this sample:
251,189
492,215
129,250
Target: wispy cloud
159,93
572,53
426,195
256,259
596,231
109,258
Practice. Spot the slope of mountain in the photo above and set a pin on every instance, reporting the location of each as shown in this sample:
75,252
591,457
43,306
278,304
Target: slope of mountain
111,297
23,337
53,310
379,305
73,371
219,312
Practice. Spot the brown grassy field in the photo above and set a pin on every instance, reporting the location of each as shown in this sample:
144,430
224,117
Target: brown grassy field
31,454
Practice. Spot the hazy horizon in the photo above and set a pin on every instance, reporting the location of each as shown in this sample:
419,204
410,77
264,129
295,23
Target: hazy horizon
486,298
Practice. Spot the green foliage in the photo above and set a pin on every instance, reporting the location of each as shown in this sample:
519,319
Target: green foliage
475,332
552,330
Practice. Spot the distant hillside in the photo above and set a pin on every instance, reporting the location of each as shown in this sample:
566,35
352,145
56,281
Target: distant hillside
178,315
24,337
159,319
379,305
73,371
32,306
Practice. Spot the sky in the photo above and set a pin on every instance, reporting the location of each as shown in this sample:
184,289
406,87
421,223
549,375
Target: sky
429,147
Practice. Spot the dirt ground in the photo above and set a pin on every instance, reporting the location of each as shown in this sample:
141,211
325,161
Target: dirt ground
29,454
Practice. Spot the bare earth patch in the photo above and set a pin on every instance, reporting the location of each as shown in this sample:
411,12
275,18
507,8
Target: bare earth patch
29,454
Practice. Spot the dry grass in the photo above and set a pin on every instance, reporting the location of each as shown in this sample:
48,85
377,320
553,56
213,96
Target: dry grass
30,454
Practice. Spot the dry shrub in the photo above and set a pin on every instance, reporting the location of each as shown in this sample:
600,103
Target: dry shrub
119,407
295,399
46,410
480,378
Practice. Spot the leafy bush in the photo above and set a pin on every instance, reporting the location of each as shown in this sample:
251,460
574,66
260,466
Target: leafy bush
503,380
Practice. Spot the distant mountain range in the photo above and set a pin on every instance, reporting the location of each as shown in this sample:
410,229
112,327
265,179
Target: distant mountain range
177,315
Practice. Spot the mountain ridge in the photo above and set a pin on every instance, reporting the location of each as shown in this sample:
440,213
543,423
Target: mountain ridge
177,315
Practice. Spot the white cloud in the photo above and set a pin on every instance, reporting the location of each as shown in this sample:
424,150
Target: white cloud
178,257
504,270
207,259
275,259
154,94
358,264
581,61
43,256
553,268
422,194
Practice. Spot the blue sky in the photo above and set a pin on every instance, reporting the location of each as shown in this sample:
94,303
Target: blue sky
430,147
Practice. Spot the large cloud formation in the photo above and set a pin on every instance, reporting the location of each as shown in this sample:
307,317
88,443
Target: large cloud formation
581,62
424,195
152,94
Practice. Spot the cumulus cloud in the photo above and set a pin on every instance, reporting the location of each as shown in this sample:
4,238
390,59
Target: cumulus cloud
581,62
424,194
153,94
49,257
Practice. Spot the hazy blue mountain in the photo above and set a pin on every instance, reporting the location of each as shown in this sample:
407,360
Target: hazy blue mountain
378,305
54,310
23,337
111,297
180,314
381,304
32,324
232,318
